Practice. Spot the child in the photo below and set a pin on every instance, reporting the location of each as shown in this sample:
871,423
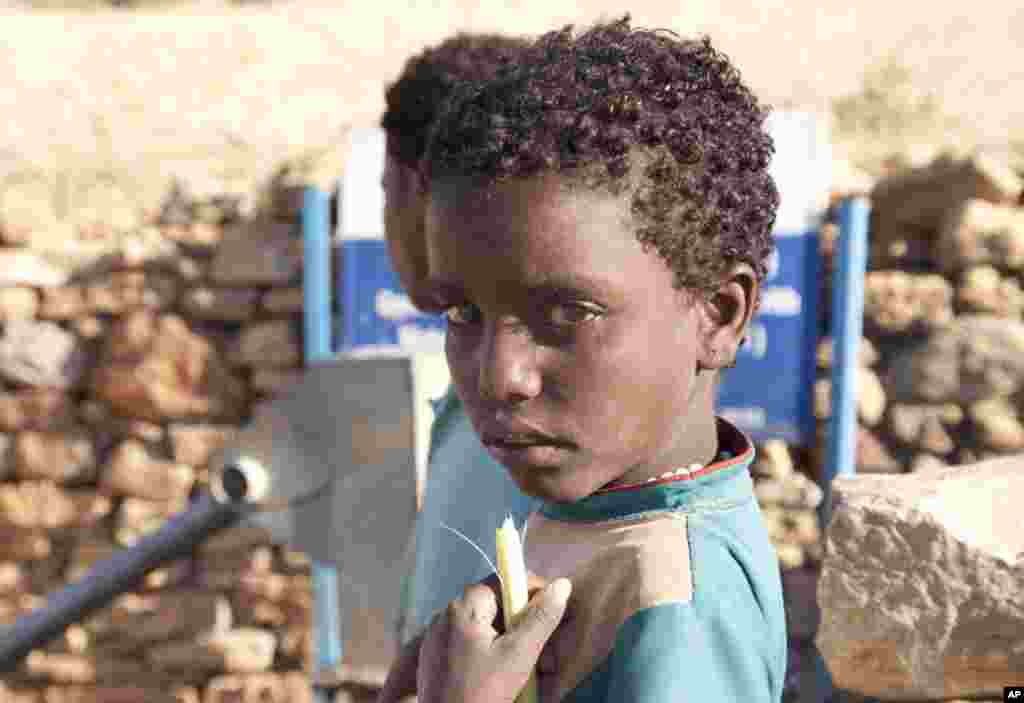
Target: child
459,465
598,223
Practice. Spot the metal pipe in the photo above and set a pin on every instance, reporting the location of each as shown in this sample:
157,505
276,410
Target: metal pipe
122,572
316,287
847,330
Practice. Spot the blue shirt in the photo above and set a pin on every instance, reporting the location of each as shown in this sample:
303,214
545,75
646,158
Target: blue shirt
677,594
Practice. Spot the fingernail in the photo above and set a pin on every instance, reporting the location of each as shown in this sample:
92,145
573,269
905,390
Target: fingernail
560,590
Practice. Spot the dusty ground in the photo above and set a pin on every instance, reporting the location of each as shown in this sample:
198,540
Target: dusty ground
221,94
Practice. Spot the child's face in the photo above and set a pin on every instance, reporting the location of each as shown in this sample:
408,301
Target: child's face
561,324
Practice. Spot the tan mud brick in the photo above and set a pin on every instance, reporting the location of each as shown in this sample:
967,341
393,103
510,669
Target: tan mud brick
134,471
18,303
59,457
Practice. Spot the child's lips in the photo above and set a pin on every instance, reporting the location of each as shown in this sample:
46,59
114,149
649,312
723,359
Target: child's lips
535,454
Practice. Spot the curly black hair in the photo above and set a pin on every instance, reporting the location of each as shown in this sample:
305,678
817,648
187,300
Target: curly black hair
665,121
414,100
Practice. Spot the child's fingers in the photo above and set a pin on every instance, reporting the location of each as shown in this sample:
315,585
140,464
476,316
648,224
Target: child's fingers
475,613
538,622
534,583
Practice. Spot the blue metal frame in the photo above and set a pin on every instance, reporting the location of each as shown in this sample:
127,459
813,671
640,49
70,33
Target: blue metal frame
316,314
847,329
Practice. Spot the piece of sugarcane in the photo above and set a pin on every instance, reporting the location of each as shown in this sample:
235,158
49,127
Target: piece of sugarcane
514,591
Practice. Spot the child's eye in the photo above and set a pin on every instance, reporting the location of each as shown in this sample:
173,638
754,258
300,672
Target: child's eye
573,314
465,314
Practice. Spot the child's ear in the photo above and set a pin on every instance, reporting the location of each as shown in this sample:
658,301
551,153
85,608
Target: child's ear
725,314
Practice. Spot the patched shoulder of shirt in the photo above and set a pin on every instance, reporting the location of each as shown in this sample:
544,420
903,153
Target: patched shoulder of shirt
646,564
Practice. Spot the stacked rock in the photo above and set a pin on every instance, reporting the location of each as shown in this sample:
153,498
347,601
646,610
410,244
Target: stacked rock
126,364
942,306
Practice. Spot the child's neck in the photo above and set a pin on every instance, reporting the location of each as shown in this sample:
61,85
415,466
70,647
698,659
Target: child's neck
698,446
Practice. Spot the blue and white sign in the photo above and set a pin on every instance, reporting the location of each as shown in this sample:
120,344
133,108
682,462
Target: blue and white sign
376,312
769,393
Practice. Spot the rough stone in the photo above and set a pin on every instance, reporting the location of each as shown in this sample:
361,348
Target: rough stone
290,687
927,462
21,267
125,291
7,460
83,693
58,457
156,368
235,540
221,304
873,456
260,254
897,302
259,560
100,418
870,397
997,425
271,381
283,301
64,303
985,291
272,343
976,357
138,517
13,579
196,237
41,355
773,460
922,588
867,353
18,303
979,232
802,526
40,409
43,504
134,471
90,327
70,668
182,615
22,545
242,650
791,556
196,445
909,207
917,425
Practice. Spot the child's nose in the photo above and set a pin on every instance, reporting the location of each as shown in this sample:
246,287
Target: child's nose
508,372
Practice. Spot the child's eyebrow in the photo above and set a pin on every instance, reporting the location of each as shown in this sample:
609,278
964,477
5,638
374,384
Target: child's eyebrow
564,283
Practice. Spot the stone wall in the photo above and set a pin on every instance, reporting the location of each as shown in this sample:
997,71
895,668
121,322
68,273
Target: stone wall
942,372
127,361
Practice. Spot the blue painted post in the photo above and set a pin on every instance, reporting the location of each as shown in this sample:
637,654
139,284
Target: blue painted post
847,328
316,314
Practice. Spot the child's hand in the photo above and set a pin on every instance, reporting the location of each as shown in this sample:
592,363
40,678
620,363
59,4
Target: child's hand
401,681
465,659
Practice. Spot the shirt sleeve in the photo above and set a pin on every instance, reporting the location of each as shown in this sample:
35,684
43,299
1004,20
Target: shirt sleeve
674,653
405,619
